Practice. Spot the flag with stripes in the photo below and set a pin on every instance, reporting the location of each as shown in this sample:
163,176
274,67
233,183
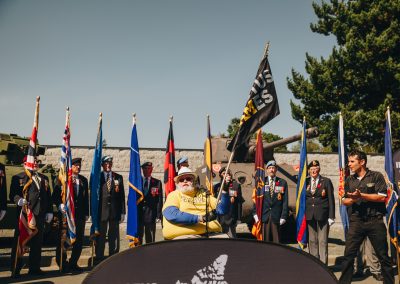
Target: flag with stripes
95,182
27,222
65,177
343,174
261,107
301,224
169,165
208,159
135,195
392,210
258,192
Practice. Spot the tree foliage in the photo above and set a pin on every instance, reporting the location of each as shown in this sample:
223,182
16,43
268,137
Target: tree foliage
360,78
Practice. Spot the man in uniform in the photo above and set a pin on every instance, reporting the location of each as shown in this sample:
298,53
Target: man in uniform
182,162
149,210
190,212
38,199
3,192
229,220
365,193
320,211
81,204
275,204
111,208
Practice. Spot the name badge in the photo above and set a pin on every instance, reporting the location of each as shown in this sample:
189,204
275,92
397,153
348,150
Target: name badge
266,188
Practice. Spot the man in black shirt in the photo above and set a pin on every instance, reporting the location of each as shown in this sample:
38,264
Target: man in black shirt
365,193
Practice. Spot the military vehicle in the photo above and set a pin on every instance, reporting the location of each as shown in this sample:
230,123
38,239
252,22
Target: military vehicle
242,168
13,148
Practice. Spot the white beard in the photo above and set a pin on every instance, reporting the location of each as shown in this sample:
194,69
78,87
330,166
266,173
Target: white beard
186,189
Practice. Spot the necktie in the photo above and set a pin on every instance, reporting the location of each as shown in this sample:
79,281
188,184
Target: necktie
108,182
313,186
271,186
75,185
146,185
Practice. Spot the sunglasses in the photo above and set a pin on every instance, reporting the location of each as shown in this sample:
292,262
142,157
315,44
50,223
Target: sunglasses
182,179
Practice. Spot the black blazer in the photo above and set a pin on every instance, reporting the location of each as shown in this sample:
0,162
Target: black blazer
39,199
235,209
321,205
150,207
81,202
3,188
112,204
277,206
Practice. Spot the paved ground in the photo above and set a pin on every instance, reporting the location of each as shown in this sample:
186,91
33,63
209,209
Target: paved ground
336,248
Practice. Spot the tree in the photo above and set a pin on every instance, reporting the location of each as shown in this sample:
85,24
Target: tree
360,78
313,146
267,137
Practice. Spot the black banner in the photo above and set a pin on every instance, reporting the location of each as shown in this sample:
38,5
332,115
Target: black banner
396,162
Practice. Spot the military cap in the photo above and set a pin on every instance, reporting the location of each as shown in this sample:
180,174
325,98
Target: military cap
106,159
271,163
223,169
76,161
182,160
147,164
313,163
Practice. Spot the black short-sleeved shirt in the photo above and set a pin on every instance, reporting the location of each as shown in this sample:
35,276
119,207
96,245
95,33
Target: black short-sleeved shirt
372,182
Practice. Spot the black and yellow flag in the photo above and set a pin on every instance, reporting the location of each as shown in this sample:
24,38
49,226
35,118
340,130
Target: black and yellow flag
261,107
208,159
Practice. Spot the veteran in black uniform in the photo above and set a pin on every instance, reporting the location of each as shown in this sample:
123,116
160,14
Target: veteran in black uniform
149,210
365,194
320,211
38,199
3,192
112,208
229,220
275,204
81,204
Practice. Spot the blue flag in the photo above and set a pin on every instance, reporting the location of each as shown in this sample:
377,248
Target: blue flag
95,182
301,223
392,210
135,195
343,173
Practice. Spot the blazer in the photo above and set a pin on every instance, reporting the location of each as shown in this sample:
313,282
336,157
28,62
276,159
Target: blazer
235,209
112,203
3,188
320,205
149,209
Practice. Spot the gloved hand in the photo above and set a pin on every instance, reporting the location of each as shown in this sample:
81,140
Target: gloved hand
331,221
86,218
158,220
62,208
256,218
122,218
2,214
282,221
22,202
49,217
210,216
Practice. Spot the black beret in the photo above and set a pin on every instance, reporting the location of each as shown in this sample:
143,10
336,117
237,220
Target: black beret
314,163
76,161
147,164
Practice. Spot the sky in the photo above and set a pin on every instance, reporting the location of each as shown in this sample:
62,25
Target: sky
183,58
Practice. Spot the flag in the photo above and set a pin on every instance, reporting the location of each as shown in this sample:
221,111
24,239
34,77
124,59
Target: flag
258,193
169,165
208,159
261,107
65,177
135,195
26,222
301,224
95,181
392,210
343,173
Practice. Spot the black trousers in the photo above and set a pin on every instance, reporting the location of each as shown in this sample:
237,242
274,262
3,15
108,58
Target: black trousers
271,232
77,247
375,230
149,232
35,247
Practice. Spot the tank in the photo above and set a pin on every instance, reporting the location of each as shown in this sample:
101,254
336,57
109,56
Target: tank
242,168
13,148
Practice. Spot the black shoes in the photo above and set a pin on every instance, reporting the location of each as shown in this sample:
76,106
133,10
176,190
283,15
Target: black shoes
36,272
76,268
378,277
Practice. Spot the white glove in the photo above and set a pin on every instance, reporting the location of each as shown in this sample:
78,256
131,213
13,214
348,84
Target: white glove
122,218
256,218
282,221
331,221
22,202
62,208
158,220
86,218
2,214
49,217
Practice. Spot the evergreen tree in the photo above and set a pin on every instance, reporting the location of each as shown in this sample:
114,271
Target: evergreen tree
360,78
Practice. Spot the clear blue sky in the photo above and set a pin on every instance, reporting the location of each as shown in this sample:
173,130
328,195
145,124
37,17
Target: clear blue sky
155,58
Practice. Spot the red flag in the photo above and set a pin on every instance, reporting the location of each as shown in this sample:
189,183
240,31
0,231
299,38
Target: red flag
169,165
258,193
